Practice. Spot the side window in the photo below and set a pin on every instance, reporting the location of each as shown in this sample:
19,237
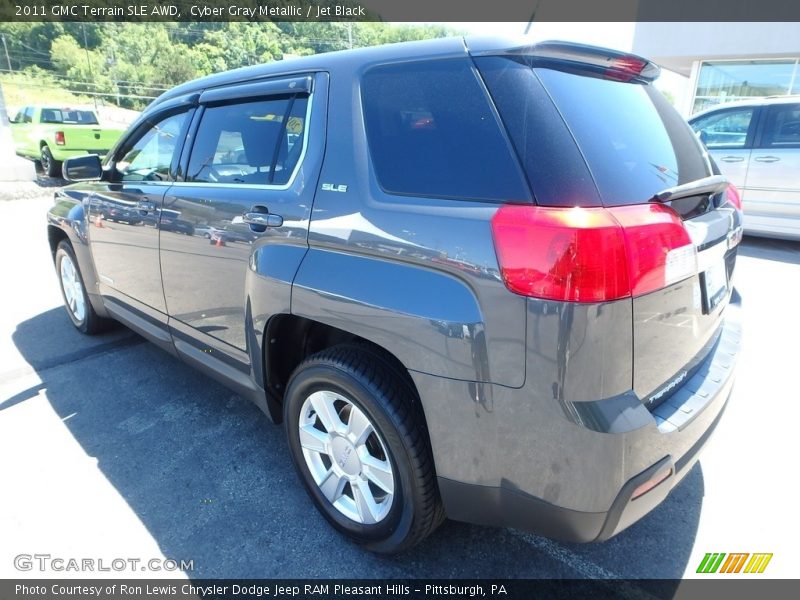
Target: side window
25,115
256,142
724,129
432,132
150,157
782,127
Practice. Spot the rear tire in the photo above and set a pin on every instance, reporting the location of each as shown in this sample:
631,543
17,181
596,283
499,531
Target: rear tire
359,443
50,166
73,291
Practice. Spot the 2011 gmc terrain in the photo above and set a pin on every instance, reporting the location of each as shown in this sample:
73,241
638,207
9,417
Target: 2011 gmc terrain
474,279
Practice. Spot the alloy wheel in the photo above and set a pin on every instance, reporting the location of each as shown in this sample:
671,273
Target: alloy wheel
73,289
346,457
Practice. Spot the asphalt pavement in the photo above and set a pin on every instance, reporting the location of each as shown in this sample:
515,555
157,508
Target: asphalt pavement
113,449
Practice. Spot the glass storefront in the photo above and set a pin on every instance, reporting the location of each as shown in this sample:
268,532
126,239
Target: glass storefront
727,81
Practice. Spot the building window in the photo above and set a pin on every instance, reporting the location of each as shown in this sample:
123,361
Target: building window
726,81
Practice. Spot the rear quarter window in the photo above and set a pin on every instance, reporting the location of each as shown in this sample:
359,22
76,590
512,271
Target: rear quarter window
432,131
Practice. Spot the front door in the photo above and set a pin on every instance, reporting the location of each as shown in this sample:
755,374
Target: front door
124,213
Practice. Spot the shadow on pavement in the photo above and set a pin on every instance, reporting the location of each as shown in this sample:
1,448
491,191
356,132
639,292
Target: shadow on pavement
211,479
44,181
771,249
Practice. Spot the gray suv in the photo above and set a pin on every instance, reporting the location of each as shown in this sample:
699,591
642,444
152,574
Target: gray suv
484,281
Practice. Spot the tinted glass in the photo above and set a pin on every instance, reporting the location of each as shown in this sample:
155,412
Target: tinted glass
150,157
432,132
782,128
724,129
634,142
65,115
557,173
257,143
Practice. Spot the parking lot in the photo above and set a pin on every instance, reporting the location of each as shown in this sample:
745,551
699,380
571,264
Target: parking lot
113,449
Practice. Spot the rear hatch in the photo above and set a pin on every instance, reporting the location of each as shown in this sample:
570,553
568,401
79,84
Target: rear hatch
593,132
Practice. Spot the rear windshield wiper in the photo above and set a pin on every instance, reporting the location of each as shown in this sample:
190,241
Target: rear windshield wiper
707,185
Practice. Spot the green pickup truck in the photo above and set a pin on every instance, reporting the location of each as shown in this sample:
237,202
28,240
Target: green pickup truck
50,135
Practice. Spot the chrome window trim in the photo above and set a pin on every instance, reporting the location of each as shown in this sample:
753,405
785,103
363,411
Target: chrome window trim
257,186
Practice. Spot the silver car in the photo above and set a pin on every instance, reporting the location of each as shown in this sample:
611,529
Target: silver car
756,144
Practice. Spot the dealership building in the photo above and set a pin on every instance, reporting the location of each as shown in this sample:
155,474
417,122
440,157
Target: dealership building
724,62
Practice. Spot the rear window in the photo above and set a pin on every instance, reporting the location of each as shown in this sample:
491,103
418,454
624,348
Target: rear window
65,115
432,132
633,142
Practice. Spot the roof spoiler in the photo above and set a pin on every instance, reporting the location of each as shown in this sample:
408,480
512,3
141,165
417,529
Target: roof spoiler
601,62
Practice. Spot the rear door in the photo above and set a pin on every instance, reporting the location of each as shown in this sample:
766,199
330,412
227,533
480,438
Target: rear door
246,162
773,179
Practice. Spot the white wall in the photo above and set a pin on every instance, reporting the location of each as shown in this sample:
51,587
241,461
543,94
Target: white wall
677,45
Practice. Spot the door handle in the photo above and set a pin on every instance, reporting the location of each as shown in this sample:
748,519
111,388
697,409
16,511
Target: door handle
145,205
767,159
732,159
261,219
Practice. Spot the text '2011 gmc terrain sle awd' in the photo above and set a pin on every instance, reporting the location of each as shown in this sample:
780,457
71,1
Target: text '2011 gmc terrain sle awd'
473,279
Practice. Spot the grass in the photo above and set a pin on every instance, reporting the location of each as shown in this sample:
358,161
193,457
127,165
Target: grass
21,89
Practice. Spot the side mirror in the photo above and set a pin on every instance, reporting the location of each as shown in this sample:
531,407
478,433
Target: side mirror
82,168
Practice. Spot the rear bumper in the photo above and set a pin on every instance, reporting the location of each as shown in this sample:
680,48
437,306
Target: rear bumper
508,507
576,481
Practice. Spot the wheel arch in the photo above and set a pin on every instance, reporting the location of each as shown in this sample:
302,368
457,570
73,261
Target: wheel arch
69,223
289,339
431,320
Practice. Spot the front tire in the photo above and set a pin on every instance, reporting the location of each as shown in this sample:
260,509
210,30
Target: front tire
358,441
73,291
50,166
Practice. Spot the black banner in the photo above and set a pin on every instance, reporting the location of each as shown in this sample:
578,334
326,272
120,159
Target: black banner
400,10
733,588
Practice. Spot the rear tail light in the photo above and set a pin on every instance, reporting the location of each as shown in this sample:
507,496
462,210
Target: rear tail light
60,138
734,197
591,254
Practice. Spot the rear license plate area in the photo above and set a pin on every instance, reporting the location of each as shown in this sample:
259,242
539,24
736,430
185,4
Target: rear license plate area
714,284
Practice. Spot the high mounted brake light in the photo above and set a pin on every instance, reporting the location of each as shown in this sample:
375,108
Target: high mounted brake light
602,62
591,254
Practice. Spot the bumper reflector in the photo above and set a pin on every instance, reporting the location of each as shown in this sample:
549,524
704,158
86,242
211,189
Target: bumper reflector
651,483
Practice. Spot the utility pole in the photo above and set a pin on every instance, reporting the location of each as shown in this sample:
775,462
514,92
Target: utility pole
5,47
88,61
